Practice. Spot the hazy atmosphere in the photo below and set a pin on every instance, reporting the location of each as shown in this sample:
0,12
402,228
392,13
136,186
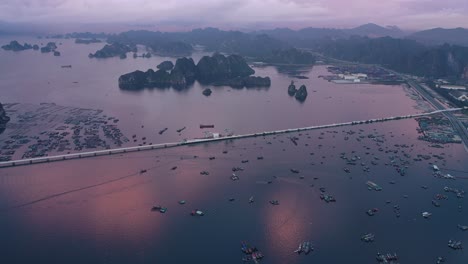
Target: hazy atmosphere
234,131
407,14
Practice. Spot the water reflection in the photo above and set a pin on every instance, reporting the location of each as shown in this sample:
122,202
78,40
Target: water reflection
98,210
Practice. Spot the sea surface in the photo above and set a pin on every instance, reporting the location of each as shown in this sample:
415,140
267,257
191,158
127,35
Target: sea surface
99,210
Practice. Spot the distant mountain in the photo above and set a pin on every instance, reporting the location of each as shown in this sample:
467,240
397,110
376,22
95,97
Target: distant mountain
231,42
308,33
402,55
309,37
438,36
375,31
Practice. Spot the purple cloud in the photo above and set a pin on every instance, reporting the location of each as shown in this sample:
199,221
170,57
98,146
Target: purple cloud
242,13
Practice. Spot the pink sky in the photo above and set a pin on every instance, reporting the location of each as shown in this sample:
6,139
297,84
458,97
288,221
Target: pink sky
407,14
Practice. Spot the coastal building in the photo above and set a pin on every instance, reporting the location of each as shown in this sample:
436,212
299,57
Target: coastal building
459,95
354,76
452,87
463,98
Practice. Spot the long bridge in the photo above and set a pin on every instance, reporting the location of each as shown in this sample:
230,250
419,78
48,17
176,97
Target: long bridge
105,152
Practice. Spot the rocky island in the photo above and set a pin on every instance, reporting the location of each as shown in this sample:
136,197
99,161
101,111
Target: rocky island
292,89
181,75
113,50
220,67
16,46
4,119
217,70
300,94
207,92
165,65
50,47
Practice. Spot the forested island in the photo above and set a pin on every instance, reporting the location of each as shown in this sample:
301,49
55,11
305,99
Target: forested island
281,46
113,50
300,94
421,53
16,46
218,69
180,44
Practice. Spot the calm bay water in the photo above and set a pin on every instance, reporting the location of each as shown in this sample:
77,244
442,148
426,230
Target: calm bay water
32,77
98,210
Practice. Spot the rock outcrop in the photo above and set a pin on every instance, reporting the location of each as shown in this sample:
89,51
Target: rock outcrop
181,76
16,46
113,50
301,94
218,70
133,81
187,68
35,47
219,67
57,53
207,92
292,89
166,66
4,119
50,47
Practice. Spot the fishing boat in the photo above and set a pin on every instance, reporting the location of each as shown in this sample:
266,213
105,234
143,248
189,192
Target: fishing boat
373,186
387,258
368,237
455,244
206,126
244,246
197,212
159,208
251,253
299,249
274,202
234,177
426,214
307,248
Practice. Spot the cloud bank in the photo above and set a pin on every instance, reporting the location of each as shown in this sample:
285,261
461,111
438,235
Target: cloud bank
412,14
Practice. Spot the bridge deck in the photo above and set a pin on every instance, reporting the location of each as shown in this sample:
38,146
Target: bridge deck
97,153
